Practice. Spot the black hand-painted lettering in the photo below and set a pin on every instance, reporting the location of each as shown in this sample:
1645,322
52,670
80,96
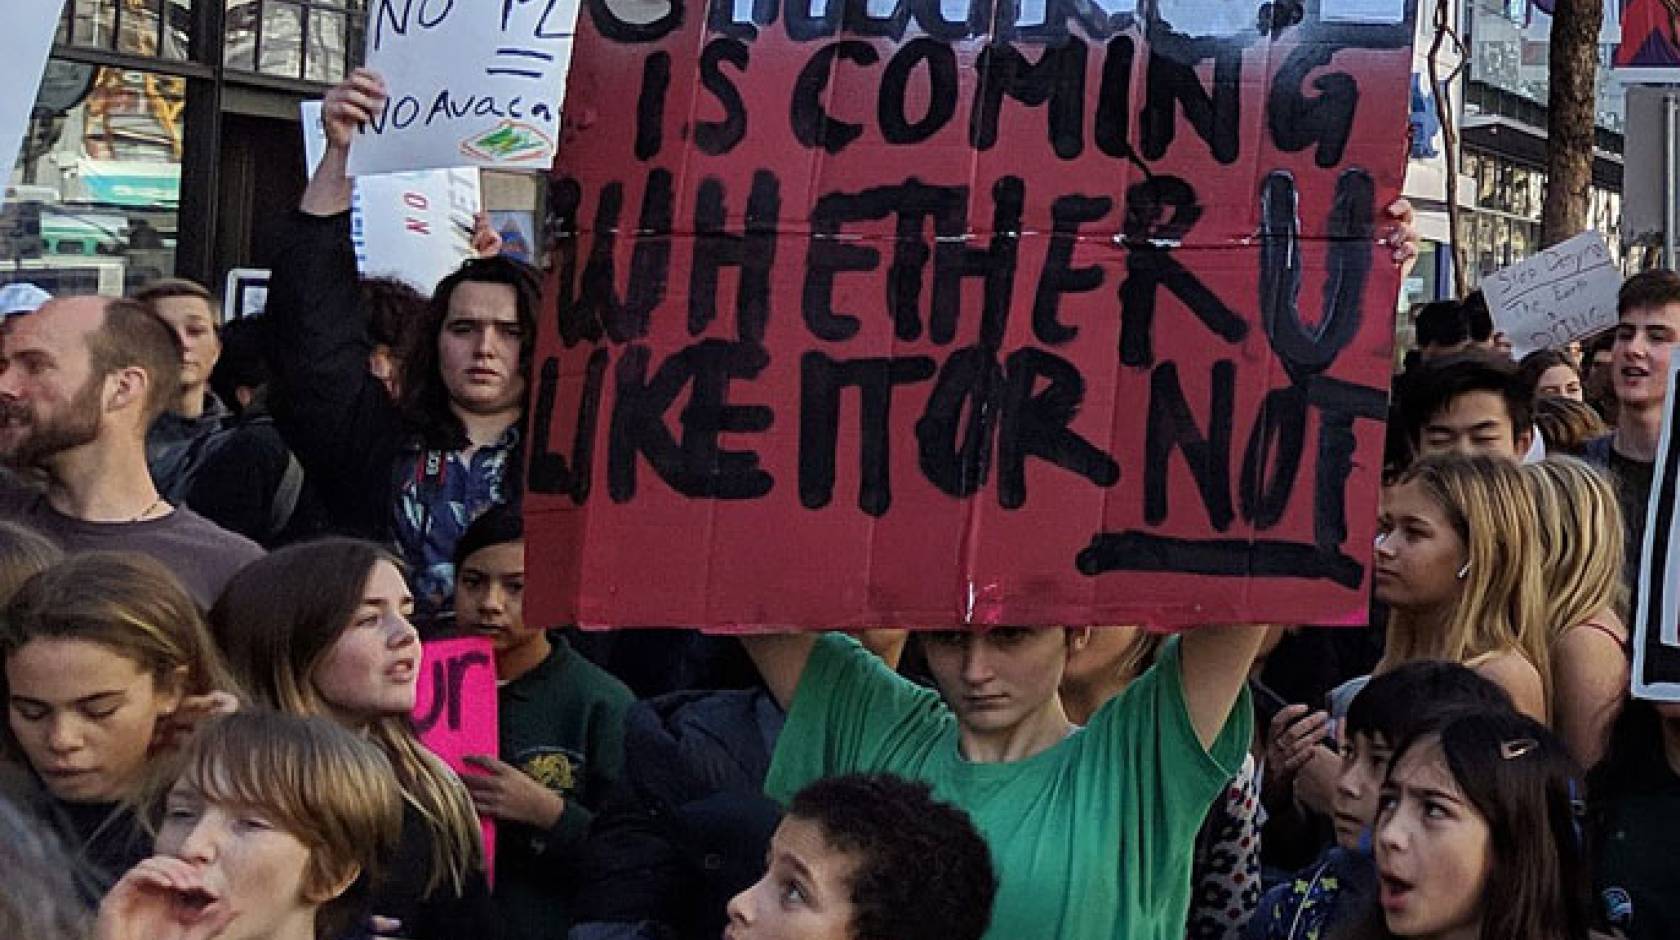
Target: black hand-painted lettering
1307,350
964,401
954,261
1172,425
1172,84
650,265
1151,266
716,138
857,21
915,203
1114,100
1340,404
802,26
1057,78
811,123
1273,457
1035,424
1297,122
697,467
572,321
720,19
650,106
821,381
827,256
930,18
1239,558
753,251
550,470
1059,276
941,63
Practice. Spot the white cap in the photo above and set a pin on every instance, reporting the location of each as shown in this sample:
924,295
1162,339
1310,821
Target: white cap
21,297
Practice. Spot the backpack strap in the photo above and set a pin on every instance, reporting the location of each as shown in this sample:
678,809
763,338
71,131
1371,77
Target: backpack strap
285,496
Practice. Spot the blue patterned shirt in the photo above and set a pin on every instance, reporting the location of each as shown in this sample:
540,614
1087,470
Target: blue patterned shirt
438,494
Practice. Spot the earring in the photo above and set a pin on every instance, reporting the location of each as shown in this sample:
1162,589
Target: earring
1464,571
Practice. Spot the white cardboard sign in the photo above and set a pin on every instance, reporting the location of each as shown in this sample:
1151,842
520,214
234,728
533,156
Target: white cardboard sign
470,83
416,227
1656,609
23,60
1565,293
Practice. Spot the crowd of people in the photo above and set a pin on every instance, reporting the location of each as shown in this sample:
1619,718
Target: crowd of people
222,544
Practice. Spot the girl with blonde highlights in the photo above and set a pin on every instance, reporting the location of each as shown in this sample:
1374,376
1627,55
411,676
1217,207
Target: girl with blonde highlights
1456,561
1581,549
266,828
322,628
107,663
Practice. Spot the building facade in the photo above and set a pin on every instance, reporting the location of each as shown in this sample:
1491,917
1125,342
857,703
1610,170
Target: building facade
166,139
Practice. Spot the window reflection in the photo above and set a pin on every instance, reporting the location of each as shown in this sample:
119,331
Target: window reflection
315,40
91,205
153,28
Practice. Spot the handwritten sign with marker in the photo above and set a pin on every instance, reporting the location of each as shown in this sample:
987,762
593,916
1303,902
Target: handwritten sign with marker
1565,293
475,84
939,314
455,712
415,226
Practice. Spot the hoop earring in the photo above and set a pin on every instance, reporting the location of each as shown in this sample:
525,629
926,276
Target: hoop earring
1464,571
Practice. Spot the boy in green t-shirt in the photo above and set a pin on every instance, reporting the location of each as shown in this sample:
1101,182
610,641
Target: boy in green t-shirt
1091,829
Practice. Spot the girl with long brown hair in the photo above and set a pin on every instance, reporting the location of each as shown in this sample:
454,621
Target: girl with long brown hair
322,628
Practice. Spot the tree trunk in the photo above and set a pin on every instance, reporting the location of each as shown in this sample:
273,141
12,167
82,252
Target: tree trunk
1571,114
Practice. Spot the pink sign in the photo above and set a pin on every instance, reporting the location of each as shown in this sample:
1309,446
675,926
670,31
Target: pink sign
455,711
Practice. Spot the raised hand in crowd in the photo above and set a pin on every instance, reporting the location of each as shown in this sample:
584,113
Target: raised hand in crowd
486,241
346,108
1292,738
1297,761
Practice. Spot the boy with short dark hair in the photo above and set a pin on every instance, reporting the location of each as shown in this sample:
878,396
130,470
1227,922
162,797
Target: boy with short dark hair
1468,404
1393,707
561,726
869,857
1648,325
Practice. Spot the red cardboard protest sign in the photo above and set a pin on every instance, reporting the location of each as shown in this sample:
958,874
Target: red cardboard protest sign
455,710
868,313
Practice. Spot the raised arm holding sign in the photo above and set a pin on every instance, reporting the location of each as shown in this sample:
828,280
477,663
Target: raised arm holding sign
475,84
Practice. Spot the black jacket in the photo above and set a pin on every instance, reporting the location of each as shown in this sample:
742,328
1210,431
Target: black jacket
337,417
249,482
400,893
690,828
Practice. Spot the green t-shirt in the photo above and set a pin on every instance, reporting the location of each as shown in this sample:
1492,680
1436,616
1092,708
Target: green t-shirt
1092,839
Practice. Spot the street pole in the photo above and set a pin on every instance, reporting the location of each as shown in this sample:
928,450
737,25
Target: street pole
1671,164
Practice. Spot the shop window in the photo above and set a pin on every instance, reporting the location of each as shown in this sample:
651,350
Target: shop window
91,205
158,29
314,40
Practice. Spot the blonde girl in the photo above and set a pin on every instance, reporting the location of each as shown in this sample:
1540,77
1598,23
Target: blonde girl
1581,548
107,664
322,628
1457,562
